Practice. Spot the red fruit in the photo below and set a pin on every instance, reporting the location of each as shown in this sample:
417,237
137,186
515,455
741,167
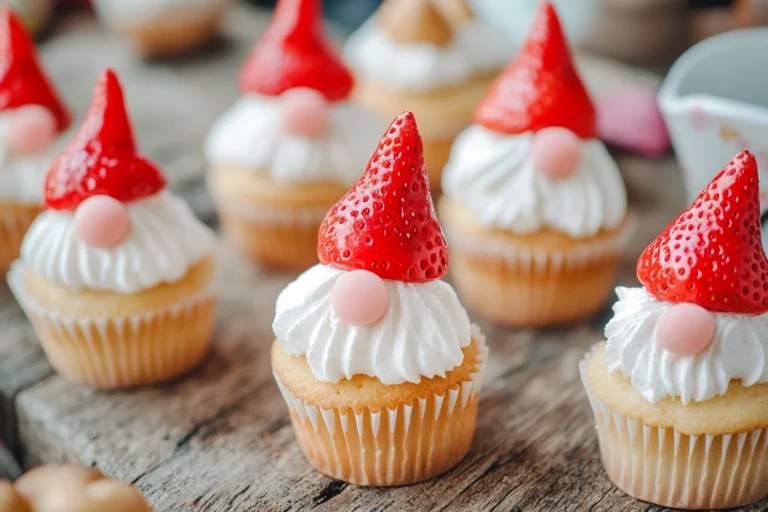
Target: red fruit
386,224
102,159
712,254
294,53
22,79
540,88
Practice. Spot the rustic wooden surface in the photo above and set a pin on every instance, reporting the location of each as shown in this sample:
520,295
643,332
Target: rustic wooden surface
220,439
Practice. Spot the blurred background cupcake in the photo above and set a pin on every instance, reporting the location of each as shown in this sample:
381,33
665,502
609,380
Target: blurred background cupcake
433,57
535,207
164,27
293,143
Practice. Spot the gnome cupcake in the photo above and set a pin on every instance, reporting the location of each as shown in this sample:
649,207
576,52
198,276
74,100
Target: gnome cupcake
433,57
374,353
32,117
116,274
535,206
164,27
292,145
680,388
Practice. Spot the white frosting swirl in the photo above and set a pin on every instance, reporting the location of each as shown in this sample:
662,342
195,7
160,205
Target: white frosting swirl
22,177
739,351
421,334
135,13
476,48
250,134
495,175
164,241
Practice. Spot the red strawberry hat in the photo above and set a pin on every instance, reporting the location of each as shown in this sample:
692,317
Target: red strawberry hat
22,79
102,158
294,53
712,254
386,223
540,88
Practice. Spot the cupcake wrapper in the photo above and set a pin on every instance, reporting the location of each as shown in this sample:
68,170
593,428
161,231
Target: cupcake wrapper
122,351
277,237
520,286
540,261
673,469
13,227
292,216
405,445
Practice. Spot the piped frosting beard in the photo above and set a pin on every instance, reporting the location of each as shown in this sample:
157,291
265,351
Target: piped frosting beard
496,176
21,177
420,335
251,135
739,351
164,241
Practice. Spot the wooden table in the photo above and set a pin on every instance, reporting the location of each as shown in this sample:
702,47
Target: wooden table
220,439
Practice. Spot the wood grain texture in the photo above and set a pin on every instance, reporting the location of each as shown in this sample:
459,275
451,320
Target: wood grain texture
220,439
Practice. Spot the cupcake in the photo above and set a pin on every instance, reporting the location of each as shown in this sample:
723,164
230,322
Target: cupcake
116,274
375,356
32,117
534,206
69,488
680,388
292,145
432,57
160,28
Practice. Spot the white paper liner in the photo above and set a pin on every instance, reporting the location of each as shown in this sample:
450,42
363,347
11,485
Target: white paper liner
408,444
288,216
539,260
673,469
122,351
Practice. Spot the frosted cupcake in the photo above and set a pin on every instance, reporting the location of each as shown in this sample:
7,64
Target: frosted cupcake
32,116
292,145
69,488
375,357
534,205
434,58
680,387
164,27
116,274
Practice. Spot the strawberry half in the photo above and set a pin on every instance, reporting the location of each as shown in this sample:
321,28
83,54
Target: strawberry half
102,159
294,53
540,88
22,80
712,254
386,223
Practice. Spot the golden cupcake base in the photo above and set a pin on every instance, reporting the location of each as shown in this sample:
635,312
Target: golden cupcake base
367,433
275,225
109,341
705,455
170,37
539,279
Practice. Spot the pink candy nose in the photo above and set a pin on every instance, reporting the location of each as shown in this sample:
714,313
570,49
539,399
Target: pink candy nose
305,112
556,152
101,222
360,297
685,329
33,128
